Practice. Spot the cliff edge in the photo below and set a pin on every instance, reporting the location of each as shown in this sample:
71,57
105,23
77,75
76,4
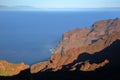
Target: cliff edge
78,42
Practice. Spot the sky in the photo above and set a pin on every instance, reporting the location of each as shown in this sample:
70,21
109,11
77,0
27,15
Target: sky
62,3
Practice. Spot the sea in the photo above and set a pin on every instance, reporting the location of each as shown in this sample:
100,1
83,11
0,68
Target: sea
28,36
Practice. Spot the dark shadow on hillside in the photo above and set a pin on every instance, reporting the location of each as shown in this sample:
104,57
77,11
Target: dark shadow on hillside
110,72
23,75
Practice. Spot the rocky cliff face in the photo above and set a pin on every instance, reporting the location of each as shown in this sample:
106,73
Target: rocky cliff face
84,37
10,69
79,41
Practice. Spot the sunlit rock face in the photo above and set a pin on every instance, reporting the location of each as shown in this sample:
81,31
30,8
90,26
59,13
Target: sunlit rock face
82,37
79,41
10,69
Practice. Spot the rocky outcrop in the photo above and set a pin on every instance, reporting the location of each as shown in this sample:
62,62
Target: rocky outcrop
10,69
76,42
39,66
91,67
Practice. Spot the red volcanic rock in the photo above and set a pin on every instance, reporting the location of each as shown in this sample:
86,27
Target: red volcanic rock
76,42
91,67
72,39
38,67
10,69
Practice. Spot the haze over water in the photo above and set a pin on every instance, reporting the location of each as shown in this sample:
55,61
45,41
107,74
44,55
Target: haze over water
28,36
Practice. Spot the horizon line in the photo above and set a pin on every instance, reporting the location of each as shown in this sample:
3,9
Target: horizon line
4,6
54,9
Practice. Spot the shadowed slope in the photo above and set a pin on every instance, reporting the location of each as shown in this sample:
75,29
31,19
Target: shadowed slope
79,41
110,72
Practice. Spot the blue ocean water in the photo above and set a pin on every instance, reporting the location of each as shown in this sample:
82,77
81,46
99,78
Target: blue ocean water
28,36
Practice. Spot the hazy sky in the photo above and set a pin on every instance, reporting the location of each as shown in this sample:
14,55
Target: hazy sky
62,3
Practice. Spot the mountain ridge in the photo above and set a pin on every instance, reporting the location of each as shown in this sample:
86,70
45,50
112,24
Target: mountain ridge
78,41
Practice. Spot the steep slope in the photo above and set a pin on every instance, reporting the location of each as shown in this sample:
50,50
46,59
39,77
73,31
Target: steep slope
79,41
91,66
